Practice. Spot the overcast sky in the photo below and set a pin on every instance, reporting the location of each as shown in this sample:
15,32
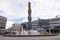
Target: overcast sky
16,11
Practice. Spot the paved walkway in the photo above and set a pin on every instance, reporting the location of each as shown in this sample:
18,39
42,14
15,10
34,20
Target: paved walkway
31,38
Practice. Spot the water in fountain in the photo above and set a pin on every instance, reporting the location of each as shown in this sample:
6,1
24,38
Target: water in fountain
34,32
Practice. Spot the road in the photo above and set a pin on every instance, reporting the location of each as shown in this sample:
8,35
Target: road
31,38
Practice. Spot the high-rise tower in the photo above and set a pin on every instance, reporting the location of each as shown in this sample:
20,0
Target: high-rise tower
29,16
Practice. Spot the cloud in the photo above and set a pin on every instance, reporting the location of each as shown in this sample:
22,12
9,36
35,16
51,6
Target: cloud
45,8
16,9
12,9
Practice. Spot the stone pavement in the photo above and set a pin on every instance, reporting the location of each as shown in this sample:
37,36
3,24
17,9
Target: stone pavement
31,38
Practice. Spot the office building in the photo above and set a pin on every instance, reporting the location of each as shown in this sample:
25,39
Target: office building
3,21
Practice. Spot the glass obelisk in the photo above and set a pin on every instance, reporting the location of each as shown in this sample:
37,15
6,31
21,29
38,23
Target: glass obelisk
29,17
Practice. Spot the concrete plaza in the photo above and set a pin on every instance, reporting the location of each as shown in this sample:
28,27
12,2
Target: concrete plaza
31,38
